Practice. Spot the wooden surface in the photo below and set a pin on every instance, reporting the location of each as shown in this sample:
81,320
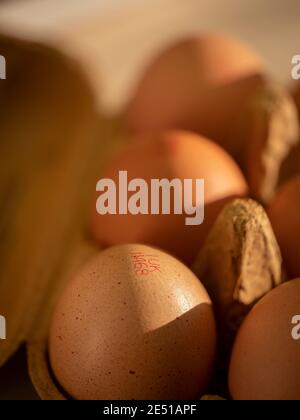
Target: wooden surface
130,32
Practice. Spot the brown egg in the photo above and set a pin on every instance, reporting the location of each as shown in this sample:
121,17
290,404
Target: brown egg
284,213
135,323
265,362
199,85
171,155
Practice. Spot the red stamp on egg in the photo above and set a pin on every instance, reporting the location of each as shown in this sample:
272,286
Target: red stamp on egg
145,264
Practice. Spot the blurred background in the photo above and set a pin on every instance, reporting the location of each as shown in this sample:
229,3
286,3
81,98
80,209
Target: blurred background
130,32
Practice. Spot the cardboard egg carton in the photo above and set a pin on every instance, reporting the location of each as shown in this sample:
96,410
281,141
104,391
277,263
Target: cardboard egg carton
57,130
54,138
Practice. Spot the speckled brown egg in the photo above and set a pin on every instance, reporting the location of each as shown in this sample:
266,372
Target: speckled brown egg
284,213
134,323
199,84
265,363
170,155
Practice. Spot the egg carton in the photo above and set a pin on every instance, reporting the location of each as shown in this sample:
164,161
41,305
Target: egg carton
54,138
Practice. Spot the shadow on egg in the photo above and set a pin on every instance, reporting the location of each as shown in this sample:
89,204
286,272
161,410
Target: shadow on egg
173,362
178,356
134,323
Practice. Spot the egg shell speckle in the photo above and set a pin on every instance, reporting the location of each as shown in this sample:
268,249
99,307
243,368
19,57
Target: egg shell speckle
135,323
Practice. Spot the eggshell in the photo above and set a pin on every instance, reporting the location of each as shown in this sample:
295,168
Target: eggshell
265,363
284,213
171,155
135,323
199,85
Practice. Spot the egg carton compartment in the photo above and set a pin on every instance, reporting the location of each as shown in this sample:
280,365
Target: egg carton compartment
50,155
55,138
